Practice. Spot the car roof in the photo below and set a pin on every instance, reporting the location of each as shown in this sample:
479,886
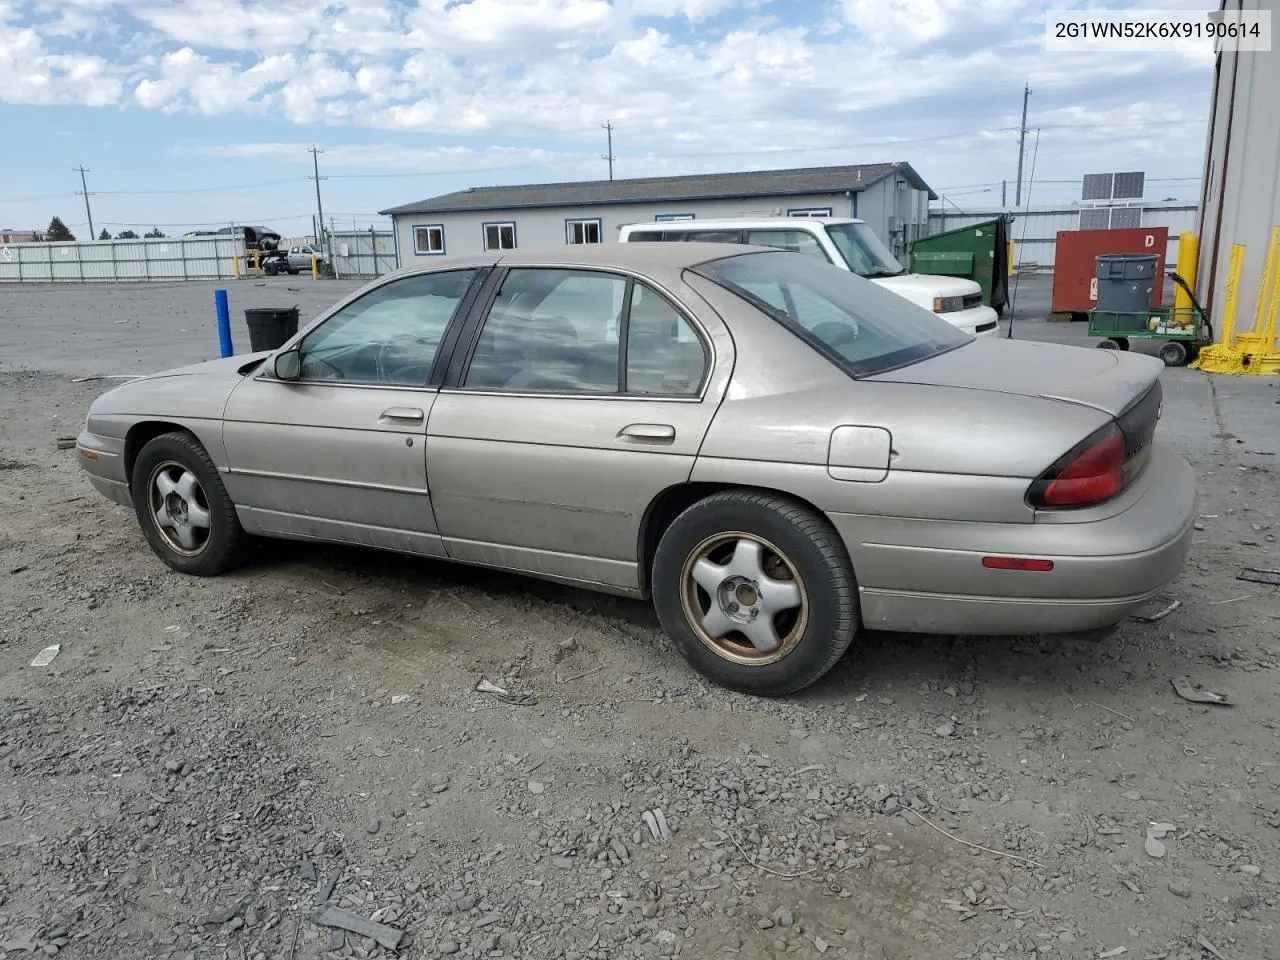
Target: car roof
730,222
635,256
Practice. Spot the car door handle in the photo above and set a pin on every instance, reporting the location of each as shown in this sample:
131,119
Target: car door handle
648,433
401,415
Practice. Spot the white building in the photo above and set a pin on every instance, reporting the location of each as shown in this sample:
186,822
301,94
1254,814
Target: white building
1240,200
891,197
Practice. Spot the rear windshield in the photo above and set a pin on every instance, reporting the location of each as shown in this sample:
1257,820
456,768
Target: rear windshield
860,325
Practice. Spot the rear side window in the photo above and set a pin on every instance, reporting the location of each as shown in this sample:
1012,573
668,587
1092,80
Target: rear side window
862,327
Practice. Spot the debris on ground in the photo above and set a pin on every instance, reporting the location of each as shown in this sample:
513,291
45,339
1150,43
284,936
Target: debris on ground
1196,694
656,821
1253,575
45,656
503,694
1160,614
385,935
66,443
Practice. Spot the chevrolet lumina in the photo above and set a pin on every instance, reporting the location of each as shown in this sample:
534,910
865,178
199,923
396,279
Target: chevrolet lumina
779,453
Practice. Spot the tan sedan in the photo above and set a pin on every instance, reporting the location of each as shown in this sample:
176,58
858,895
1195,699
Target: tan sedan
776,451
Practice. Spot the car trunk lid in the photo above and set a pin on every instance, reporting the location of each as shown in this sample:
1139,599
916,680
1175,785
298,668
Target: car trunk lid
1108,380
1124,386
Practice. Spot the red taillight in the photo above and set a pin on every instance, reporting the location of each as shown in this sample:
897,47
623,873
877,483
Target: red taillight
1090,473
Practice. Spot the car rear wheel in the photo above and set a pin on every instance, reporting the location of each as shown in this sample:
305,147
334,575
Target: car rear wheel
756,590
183,508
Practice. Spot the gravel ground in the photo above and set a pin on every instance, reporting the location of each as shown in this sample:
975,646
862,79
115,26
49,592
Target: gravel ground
212,768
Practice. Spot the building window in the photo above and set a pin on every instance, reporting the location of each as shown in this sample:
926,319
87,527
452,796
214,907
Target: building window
810,212
500,236
428,240
669,217
582,231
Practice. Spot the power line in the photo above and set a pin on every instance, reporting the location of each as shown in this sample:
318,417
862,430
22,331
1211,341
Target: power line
85,191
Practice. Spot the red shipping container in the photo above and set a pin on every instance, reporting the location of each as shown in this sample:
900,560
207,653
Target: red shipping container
1075,276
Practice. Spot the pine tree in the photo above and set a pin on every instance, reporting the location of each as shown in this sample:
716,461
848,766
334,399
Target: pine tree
58,231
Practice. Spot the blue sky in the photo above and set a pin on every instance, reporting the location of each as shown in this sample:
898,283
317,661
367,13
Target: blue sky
190,112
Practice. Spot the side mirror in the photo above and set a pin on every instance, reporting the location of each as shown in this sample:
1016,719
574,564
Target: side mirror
288,365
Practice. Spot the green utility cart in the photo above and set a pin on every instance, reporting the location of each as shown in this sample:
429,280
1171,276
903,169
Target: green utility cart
977,252
1123,283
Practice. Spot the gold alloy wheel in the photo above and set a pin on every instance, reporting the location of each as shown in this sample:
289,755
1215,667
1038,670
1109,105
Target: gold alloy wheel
744,598
179,508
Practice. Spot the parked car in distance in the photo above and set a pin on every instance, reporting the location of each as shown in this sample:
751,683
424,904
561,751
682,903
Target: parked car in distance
777,452
847,242
300,256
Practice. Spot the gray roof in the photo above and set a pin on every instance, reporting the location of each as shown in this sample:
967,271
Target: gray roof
705,186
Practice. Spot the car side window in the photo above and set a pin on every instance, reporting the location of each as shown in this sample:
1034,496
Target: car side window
664,355
797,241
551,330
390,335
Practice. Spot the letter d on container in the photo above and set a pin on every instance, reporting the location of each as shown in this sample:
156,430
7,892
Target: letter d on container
224,322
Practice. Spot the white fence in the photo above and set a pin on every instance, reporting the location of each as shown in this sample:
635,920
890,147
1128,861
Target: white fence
179,258
363,253
1035,229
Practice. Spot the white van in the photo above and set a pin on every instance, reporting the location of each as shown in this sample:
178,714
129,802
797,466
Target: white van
849,244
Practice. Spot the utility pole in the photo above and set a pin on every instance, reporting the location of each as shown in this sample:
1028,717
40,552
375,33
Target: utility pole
608,126
1004,193
1022,144
85,191
315,164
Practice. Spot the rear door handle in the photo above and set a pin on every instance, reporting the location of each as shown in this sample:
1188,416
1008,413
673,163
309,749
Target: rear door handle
648,433
401,415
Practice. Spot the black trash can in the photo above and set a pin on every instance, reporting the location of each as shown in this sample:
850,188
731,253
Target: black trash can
270,327
1125,281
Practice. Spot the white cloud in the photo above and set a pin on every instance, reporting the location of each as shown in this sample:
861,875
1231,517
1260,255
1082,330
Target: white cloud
31,74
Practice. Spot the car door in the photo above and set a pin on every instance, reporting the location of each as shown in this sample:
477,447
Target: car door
338,453
548,442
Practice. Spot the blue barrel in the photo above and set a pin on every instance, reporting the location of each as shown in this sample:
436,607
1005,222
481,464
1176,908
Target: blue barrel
1125,281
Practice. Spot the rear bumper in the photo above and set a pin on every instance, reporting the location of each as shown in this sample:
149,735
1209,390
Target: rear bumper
927,576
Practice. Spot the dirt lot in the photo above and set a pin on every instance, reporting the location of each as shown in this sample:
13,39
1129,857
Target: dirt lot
205,761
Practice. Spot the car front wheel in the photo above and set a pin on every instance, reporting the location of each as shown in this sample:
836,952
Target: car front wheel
756,590
183,508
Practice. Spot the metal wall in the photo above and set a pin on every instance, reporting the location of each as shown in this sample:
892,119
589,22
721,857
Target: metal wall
1035,229
363,253
1241,192
195,258
883,205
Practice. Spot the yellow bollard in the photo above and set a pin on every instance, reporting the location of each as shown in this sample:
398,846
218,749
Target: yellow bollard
235,266
1265,286
1229,304
1188,261
256,272
315,268
1273,304
1010,259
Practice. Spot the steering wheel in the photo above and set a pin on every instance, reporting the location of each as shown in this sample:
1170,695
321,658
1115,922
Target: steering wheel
395,350
327,371
834,333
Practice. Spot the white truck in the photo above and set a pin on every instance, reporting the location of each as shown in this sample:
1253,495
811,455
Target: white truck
849,244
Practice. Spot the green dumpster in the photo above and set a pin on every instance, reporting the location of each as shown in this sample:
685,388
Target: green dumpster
978,252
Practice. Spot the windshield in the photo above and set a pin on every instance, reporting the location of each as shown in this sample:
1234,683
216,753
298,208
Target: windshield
863,327
865,253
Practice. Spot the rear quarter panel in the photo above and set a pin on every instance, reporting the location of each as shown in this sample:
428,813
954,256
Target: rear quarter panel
956,454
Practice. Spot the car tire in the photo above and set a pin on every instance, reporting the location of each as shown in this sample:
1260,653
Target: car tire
173,478
780,541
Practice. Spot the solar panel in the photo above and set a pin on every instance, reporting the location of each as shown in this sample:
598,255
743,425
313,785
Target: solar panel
1123,217
1096,186
1128,186
1095,219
